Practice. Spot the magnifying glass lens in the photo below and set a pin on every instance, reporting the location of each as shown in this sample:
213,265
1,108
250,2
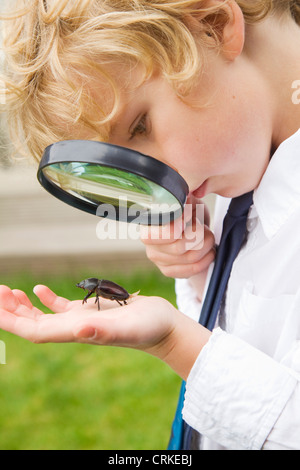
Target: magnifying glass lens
138,188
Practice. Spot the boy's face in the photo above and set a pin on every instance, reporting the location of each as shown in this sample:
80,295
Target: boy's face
221,146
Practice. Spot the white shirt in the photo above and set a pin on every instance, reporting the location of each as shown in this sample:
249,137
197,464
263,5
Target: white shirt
243,391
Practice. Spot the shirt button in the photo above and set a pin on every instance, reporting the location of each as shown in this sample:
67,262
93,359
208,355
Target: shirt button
251,224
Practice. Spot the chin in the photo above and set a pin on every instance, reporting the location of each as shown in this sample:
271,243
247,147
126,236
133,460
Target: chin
232,192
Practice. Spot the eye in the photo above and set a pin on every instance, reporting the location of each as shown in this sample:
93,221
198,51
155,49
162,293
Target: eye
141,127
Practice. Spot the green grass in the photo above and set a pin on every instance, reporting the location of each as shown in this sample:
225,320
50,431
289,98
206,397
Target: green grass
75,396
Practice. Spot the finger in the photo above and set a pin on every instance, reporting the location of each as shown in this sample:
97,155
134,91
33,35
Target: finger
51,300
161,234
180,256
199,209
16,302
22,298
7,299
185,271
191,223
187,250
25,308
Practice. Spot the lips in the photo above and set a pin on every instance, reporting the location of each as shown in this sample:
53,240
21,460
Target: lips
201,191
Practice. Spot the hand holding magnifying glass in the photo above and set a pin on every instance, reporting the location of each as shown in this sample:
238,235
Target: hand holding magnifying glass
184,249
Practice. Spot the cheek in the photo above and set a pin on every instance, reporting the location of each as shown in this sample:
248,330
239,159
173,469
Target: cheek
238,134
183,155
230,139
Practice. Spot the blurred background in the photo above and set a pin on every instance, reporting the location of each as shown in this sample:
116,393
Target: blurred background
71,396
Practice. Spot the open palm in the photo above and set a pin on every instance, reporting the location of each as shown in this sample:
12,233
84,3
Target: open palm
142,324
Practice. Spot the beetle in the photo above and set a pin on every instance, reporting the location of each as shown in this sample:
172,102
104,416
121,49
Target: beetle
106,289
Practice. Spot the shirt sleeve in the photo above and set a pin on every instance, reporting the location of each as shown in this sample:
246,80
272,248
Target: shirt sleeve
186,299
240,397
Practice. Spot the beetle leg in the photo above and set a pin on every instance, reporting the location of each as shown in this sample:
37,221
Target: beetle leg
112,298
98,301
87,296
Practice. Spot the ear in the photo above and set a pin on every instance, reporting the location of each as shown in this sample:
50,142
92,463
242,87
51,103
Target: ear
222,21
233,37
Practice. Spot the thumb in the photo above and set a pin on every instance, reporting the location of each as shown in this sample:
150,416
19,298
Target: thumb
51,300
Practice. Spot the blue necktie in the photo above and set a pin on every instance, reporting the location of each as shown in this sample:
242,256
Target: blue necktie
233,234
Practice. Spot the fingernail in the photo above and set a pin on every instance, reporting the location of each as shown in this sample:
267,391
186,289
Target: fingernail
35,288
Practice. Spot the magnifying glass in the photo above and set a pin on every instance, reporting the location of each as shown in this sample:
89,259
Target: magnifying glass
114,182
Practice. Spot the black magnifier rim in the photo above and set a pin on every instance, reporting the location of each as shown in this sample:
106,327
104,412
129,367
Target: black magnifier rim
113,156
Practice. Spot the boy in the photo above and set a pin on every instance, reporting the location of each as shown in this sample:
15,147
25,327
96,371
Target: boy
210,81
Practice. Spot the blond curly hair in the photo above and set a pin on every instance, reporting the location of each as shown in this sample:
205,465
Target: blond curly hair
56,50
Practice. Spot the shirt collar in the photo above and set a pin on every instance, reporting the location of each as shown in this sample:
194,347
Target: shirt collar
278,193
